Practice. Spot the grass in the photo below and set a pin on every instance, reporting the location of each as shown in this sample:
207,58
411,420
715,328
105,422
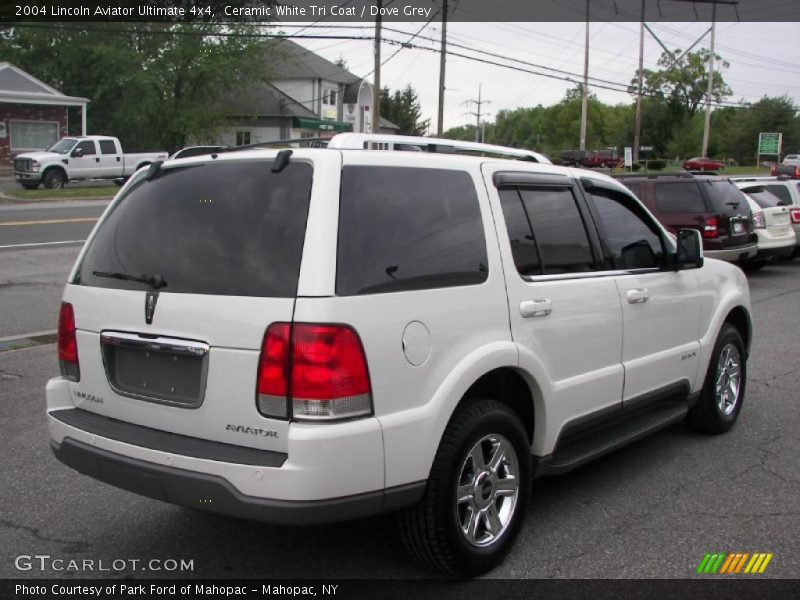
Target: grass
70,192
729,171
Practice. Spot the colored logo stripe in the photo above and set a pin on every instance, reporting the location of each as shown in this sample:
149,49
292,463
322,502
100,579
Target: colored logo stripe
724,563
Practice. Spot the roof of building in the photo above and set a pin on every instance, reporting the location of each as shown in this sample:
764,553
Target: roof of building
290,60
262,99
18,86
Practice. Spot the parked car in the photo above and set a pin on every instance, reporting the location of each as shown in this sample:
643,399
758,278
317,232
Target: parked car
787,190
310,335
710,204
771,221
702,163
76,158
790,167
190,151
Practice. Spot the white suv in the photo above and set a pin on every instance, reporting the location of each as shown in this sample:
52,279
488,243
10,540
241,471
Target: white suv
321,334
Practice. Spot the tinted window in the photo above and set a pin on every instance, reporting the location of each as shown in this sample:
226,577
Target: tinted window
520,234
764,198
87,147
633,243
227,228
108,147
405,228
725,196
782,192
679,197
558,230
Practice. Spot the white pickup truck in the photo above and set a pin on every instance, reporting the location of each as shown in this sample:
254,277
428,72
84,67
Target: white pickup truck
85,157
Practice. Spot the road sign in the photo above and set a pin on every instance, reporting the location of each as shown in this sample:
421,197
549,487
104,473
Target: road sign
645,148
770,143
628,156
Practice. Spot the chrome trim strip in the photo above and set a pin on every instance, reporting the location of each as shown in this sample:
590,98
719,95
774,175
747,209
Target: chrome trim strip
588,274
156,344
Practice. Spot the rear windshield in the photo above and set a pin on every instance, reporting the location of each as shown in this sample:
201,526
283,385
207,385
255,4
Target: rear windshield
225,228
764,198
725,196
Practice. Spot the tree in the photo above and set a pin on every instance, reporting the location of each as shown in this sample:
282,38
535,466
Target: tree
683,84
151,84
403,109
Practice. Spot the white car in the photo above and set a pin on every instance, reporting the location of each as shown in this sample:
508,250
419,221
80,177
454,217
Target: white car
791,159
309,335
772,224
787,190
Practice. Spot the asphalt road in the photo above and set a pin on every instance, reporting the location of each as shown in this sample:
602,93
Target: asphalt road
651,510
38,244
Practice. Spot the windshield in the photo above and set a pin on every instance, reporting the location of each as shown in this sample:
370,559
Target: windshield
231,228
63,146
764,198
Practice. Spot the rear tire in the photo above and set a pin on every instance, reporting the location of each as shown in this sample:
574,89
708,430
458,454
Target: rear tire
476,497
54,179
723,391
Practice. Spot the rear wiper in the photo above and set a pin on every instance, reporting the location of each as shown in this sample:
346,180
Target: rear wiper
154,281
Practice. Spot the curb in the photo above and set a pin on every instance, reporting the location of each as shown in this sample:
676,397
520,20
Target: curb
11,200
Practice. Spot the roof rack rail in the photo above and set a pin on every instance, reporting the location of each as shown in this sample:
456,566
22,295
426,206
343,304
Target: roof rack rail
686,174
378,141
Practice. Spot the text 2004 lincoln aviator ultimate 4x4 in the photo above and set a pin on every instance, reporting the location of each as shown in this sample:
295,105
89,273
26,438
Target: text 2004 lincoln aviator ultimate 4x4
321,334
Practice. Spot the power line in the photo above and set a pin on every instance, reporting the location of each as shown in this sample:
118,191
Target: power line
522,66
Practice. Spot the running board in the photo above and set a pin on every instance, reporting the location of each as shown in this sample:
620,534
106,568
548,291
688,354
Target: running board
576,451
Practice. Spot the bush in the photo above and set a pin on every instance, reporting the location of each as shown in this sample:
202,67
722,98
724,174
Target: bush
636,167
656,165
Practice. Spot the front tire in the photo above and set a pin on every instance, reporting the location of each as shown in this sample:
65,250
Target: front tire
723,391
54,179
477,493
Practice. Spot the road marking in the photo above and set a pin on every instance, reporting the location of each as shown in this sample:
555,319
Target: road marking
41,244
49,222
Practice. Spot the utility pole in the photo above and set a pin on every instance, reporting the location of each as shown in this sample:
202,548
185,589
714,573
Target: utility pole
442,58
638,126
707,128
376,89
478,113
585,99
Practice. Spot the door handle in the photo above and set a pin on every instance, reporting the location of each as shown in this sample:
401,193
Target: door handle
540,307
96,160
118,159
637,296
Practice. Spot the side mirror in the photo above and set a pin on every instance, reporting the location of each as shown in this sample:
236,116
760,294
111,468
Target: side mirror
690,250
77,153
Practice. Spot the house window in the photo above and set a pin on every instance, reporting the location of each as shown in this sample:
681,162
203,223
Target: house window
30,135
242,138
329,97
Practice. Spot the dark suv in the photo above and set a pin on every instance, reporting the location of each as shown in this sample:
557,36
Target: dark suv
713,205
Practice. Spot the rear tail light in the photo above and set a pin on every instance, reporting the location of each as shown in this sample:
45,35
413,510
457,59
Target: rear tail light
795,214
773,169
758,220
797,172
711,229
318,372
68,344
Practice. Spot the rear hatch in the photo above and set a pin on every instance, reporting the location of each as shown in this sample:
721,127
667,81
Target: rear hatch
175,290
729,206
776,215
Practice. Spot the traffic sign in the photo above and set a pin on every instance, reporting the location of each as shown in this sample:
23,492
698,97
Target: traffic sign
770,143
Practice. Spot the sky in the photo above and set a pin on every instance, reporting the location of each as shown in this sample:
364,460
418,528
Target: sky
764,60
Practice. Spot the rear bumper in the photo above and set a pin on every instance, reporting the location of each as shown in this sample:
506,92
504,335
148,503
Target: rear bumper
215,494
324,473
733,254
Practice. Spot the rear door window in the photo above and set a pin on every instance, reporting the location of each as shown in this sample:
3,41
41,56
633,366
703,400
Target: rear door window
558,230
403,228
678,197
226,228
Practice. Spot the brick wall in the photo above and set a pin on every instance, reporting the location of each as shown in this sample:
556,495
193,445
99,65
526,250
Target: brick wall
27,112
